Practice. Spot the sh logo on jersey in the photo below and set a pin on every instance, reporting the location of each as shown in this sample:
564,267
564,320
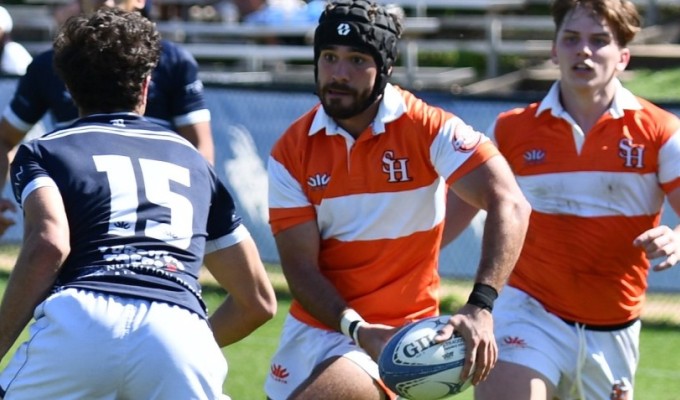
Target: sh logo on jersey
395,168
465,139
633,154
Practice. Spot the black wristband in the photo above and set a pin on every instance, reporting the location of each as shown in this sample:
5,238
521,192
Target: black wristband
483,296
353,327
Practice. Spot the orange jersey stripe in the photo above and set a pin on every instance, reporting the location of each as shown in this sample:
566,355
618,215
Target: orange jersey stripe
585,269
388,281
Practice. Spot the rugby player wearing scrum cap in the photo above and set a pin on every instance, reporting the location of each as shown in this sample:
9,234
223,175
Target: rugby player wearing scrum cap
357,196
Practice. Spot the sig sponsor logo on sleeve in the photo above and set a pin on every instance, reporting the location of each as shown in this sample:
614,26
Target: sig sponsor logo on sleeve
194,87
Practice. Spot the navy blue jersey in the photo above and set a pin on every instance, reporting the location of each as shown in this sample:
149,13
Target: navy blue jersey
175,94
142,206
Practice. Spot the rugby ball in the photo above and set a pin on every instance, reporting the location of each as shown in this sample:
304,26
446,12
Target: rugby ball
415,367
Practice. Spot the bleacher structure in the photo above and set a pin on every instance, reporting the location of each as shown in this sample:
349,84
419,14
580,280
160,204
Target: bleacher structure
494,29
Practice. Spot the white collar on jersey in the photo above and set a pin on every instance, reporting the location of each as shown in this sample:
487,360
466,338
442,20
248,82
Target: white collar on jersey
392,106
623,100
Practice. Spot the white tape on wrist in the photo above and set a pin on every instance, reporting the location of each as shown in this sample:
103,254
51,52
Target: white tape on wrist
349,324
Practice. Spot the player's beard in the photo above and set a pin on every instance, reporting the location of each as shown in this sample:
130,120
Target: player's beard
335,108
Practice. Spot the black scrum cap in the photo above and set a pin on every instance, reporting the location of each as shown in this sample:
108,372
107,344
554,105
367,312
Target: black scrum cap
364,25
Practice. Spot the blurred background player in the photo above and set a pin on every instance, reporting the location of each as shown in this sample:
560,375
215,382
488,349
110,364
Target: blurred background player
279,12
175,101
119,214
14,58
357,192
595,162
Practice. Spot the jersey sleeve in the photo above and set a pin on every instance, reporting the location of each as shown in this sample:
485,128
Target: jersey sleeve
664,127
29,103
225,227
187,101
27,173
458,148
15,59
288,204
669,154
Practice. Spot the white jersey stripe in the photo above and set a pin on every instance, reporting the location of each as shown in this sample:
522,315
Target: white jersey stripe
669,154
43,181
286,193
236,236
142,133
593,193
191,118
337,217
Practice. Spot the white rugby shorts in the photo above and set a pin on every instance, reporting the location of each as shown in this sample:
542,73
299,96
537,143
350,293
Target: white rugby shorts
581,363
97,346
301,349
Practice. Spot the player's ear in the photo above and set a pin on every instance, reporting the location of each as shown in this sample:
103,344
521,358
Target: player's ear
553,54
138,4
624,59
131,5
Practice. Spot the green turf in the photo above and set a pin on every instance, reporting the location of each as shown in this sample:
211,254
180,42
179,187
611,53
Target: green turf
655,85
658,376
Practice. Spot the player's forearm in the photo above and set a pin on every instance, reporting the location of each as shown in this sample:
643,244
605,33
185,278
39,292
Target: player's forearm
299,248
46,244
251,302
316,295
459,214
232,321
504,233
29,284
15,312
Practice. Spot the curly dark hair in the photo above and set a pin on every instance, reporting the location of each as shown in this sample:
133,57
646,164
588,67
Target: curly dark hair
104,58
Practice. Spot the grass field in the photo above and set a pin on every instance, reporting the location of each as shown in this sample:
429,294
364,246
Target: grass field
658,377
655,85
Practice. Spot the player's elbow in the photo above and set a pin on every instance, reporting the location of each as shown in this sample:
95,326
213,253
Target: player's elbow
46,257
520,208
264,307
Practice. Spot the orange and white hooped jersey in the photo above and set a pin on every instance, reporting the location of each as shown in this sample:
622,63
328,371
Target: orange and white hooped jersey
591,195
379,201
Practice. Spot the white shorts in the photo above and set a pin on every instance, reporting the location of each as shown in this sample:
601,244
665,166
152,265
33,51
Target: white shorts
580,362
301,349
96,346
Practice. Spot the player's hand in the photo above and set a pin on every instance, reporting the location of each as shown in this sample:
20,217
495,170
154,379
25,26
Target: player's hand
660,242
6,222
373,337
475,326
